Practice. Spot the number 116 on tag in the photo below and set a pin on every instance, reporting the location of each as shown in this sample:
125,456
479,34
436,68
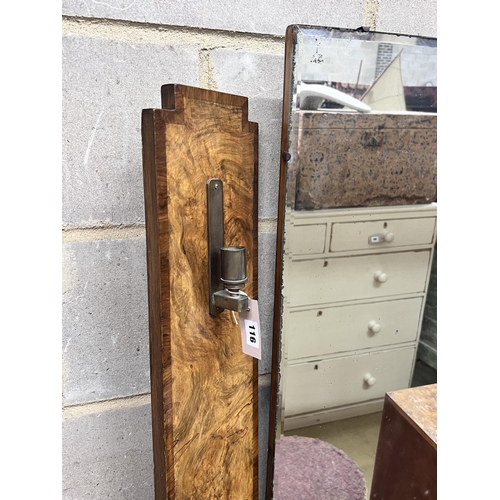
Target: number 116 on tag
252,333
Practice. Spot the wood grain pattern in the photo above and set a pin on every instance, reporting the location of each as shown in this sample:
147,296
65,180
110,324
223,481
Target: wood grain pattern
419,404
406,459
204,389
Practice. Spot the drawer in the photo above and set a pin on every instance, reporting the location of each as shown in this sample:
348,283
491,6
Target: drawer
321,332
395,233
308,239
322,281
319,385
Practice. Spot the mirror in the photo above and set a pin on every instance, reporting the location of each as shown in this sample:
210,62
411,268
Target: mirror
356,224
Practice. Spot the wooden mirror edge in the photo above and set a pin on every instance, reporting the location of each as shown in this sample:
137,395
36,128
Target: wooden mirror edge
275,359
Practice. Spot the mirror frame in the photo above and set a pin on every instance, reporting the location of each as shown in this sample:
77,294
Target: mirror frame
290,41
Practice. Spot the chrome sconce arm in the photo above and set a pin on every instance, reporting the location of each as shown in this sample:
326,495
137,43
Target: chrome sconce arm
226,265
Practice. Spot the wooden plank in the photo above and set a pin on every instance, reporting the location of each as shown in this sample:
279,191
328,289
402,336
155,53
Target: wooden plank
203,388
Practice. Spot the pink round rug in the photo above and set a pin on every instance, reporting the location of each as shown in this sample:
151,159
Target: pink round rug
311,469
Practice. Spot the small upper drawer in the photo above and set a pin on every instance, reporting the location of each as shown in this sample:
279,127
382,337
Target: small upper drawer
390,233
308,239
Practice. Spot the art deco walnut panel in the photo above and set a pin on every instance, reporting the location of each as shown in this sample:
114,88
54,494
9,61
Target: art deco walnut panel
203,388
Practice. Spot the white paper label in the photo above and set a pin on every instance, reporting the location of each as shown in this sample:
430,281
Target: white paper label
250,330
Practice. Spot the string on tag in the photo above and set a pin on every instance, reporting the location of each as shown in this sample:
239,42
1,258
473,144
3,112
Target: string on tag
243,293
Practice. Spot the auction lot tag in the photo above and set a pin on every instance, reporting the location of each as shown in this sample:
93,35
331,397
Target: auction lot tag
250,330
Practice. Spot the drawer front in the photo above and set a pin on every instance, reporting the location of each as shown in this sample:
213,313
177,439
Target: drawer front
320,385
374,235
321,332
308,239
322,281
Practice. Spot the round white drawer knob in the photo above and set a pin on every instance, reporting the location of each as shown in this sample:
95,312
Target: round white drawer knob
389,237
380,277
374,326
369,379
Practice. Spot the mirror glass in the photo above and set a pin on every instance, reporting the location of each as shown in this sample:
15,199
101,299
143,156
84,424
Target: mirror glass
357,226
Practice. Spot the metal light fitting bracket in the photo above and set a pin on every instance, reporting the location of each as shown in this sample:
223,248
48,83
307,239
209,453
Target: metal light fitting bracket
226,265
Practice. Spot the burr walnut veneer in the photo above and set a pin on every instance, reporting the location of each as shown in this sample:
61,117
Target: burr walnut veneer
203,388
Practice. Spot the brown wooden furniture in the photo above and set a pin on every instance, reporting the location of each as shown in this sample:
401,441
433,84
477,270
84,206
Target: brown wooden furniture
406,460
203,388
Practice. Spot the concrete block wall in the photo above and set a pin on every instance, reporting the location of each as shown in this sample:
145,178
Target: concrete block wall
116,55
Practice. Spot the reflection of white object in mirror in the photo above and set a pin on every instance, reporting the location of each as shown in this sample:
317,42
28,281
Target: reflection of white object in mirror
387,91
380,276
305,90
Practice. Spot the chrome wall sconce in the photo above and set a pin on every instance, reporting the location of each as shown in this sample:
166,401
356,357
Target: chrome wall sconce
226,265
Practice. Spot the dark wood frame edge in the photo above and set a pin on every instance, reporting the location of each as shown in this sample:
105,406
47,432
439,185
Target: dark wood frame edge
276,347
156,327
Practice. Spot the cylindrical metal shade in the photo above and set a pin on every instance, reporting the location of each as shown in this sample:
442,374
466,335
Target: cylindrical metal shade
233,266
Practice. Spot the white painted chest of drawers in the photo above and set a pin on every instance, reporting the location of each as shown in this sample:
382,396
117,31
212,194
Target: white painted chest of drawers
355,282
